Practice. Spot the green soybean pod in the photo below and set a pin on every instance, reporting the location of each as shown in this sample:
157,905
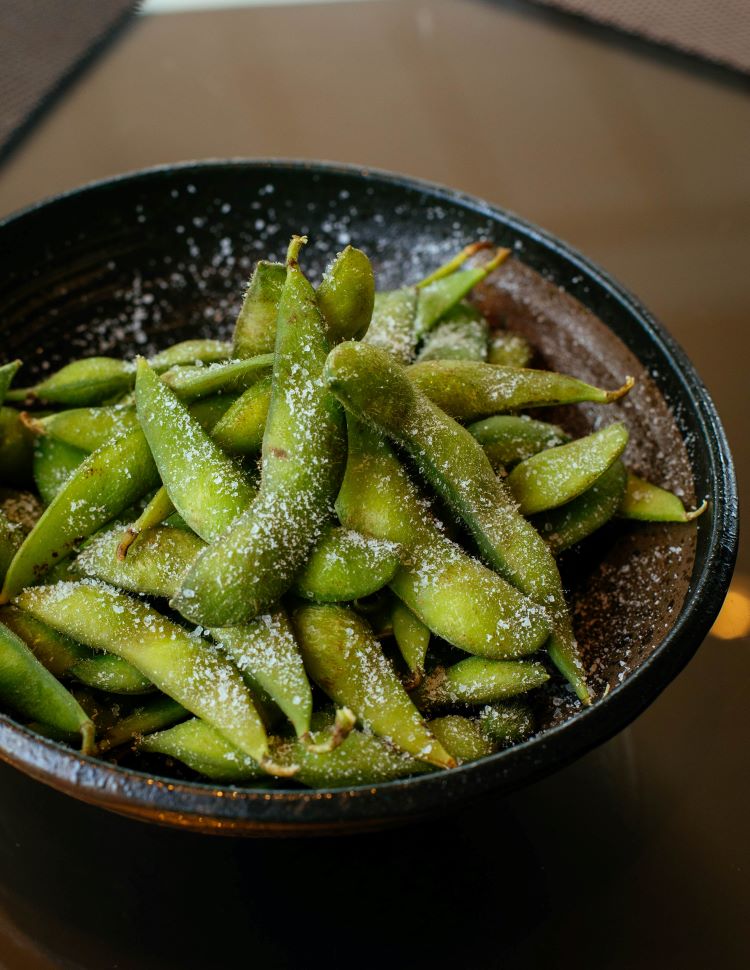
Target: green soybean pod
649,503
509,438
87,428
462,736
7,373
413,639
54,650
267,650
506,722
371,384
478,681
346,565
16,450
255,330
509,349
183,667
346,661
191,352
468,390
91,380
558,475
207,488
54,464
255,562
392,324
111,674
452,593
346,295
203,749
240,430
226,377
563,527
110,480
154,715
462,334
29,689
439,295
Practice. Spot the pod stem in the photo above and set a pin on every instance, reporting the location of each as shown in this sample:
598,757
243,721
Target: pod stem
453,264
690,516
128,538
292,254
32,424
342,728
615,395
88,738
279,771
22,395
497,260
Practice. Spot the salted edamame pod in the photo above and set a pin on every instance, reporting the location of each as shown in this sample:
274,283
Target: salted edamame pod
86,428
413,640
461,334
506,722
54,650
154,715
29,689
346,565
346,295
191,352
462,736
225,377
54,463
240,430
392,324
650,503
478,681
468,390
7,373
199,746
558,475
509,349
255,329
112,674
92,380
111,479
509,438
186,668
346,661
372,385
254,563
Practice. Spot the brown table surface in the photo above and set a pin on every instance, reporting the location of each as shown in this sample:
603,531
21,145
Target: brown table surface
638,854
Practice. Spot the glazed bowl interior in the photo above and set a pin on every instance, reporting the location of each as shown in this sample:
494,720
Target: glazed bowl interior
131,265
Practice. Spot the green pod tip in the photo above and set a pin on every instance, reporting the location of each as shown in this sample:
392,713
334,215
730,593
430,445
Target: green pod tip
611,396
292,254
455,263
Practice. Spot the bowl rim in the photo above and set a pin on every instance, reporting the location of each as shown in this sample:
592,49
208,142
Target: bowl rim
211,806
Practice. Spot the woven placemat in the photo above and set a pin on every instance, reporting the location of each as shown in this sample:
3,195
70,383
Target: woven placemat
43,45
717,30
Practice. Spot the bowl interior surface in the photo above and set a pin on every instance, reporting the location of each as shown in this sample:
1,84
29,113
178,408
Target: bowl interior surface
132,265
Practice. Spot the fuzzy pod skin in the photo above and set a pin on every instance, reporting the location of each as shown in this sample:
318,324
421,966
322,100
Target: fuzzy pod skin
462,736
110,480
346,295
240,430
30,690
462,334
111,674
92,380
373,386
478,681
392,324
205,486
506,722
54,650
645,502
255,329
88,428
225,377
558,475
412,637
54,463
509,349
346,565
254,563
563,527
266,649
155,714
188,352
509,438
183,667
343,657
452,593
468,390
7,373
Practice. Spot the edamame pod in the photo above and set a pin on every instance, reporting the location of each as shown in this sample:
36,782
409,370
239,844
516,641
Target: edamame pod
392,324
507,722
16,450
110,480
563,527
468,390
191,383
558,475
453,594
154,715
372,385
478,681
112,674
199,746
254,563
86,428
92,380
346,565
267,650
462,736
255,330
54,463
29,689
509,349
191,352
207,488
346,295
462,334
346,661
240,430
413,639
649,503
184,667
508,439
437,295
7,373
54,650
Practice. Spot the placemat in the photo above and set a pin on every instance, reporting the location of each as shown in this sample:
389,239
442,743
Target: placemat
718,30
43,45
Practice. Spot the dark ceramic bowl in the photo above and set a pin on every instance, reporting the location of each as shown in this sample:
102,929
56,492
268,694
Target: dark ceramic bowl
142,260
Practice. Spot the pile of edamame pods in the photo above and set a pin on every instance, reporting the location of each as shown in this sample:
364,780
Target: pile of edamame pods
323,551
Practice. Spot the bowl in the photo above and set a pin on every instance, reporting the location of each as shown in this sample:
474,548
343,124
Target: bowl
139,261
